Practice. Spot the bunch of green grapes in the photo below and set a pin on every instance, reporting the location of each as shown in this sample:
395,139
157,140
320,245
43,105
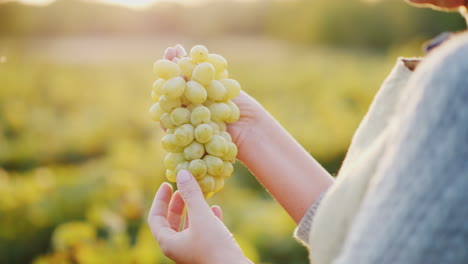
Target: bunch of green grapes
192,98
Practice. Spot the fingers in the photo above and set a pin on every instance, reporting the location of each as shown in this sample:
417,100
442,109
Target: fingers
217,212
157,218
186,221
170,53
192,195
176,209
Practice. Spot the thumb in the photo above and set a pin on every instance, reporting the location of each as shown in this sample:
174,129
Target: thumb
192,194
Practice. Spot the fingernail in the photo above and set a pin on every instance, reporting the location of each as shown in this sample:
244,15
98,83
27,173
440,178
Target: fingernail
183,176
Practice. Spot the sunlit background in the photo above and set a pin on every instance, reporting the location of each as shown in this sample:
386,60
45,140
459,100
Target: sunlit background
79,157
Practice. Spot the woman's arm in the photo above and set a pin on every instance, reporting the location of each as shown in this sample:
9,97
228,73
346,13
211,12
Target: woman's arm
278,161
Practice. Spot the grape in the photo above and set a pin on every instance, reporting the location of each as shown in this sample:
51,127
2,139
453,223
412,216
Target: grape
192,96
222,75
156,112
203,133
235,112
208,102
198,168
219,111
180,116
166,121
182,166
157,86
232,88
207,184
217,146
216,91
199,53
168,104
184,135
168,144
231,153
195,92
219,184
228,169
222,126
186,67
173,159
174,87
171,175
226,136
203,73
154,96
200,114
214,165
215,127
194,150
166,69
218,62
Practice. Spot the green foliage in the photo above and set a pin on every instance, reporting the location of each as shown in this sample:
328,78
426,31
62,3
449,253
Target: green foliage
80,160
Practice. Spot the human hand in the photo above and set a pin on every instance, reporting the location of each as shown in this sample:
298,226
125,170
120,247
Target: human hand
204,239
251,112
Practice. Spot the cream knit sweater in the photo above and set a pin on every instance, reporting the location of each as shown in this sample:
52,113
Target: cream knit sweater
334,234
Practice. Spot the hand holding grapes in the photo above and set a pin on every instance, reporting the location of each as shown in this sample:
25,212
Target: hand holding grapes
251,112
205,239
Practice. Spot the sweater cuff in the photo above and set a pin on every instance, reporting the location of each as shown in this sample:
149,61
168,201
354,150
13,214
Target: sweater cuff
302,231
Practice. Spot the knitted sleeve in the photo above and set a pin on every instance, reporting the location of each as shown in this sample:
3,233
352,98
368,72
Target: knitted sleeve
416,207
302,231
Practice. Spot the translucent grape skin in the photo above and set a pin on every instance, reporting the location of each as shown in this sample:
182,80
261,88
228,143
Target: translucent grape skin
218,62
200,114
231,153
207,184
186,67
214,165
173,159
199,53
203,133
195,92
216,91
219,111
184,135
174,87
235,112
203,73
180,116
166,121
166,69
168,104
232,88
226,136
228,169
168,144
193,151
198,168
219,184
222,75
156,112
217,146
171,175
157,86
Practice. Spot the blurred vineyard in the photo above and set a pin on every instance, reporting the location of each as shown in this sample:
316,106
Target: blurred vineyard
80,159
